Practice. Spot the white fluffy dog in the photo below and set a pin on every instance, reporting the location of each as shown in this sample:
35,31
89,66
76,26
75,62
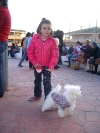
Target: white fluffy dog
62,101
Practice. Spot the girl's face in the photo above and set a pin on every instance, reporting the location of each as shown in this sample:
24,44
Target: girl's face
45,30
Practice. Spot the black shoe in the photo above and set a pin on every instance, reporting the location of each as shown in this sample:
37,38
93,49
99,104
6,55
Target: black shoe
89,71
93,72
1,96
58,66
20,65
98,73
55,68
76,68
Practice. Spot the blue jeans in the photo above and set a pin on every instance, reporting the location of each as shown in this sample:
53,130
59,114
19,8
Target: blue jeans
3,46
72,56
23,57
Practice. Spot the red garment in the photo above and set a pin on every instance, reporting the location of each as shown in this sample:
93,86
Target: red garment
5,24
46,54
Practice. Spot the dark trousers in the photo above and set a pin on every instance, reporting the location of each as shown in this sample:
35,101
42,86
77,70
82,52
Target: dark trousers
30,65
38,82
96,68
3,46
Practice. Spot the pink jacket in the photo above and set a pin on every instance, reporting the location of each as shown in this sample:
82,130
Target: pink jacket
46,54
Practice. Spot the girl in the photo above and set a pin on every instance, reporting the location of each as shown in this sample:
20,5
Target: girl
43,54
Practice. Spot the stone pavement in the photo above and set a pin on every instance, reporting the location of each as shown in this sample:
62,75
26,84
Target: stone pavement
18,115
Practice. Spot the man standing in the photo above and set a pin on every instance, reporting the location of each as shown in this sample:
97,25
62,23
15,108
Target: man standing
5,26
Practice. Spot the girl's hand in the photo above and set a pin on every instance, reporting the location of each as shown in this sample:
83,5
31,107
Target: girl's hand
37,65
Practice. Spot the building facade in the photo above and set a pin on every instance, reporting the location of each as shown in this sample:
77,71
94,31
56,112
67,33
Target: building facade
92,34
16,36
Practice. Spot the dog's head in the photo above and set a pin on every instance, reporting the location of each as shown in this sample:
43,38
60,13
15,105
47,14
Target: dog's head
73,90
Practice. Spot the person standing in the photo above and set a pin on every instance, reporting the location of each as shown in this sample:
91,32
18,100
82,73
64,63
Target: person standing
28,44
5,26
44,54
28,35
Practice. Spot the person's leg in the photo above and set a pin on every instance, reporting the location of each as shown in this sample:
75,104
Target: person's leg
90,63
37,87
60,62
23,58
30,65
22,52
38,84
3,46
46,82
74,56
69,58
96,67
1,76
14,52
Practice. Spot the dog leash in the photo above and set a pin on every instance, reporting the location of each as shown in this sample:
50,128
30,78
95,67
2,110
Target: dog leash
57,78
40,70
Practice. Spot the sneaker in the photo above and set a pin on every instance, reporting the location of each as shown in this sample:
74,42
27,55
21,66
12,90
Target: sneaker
34,98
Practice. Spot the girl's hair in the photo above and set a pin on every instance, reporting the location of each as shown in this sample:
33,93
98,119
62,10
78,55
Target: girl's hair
44,21
4,2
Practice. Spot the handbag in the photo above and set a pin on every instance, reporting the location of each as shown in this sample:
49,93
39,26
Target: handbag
97,61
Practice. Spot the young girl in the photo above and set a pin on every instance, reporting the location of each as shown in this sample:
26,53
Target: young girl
43,54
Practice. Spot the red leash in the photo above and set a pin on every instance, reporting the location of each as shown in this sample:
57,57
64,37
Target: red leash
39,70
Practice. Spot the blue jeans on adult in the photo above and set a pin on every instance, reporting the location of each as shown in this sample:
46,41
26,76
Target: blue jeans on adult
72,56
23,57
3,46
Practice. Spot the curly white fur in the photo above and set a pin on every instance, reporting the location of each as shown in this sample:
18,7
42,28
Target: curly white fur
71,93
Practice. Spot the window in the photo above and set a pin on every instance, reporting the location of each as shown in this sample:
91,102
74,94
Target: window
90,37
80,38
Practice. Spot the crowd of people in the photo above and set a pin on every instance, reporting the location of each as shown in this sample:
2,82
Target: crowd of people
83,53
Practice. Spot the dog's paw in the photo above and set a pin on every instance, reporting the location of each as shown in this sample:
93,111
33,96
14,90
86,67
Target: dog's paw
61,113
43,110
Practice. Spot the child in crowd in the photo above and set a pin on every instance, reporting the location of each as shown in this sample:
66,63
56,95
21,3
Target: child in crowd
43,53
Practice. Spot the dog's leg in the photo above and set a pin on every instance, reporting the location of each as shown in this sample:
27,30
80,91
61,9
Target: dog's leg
61,113
48,103
71,109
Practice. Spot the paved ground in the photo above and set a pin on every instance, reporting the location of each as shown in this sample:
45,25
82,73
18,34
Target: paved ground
18,115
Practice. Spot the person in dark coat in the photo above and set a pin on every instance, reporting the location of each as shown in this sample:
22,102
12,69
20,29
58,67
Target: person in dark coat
60,48
93,57
87,50
71,49
98,54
